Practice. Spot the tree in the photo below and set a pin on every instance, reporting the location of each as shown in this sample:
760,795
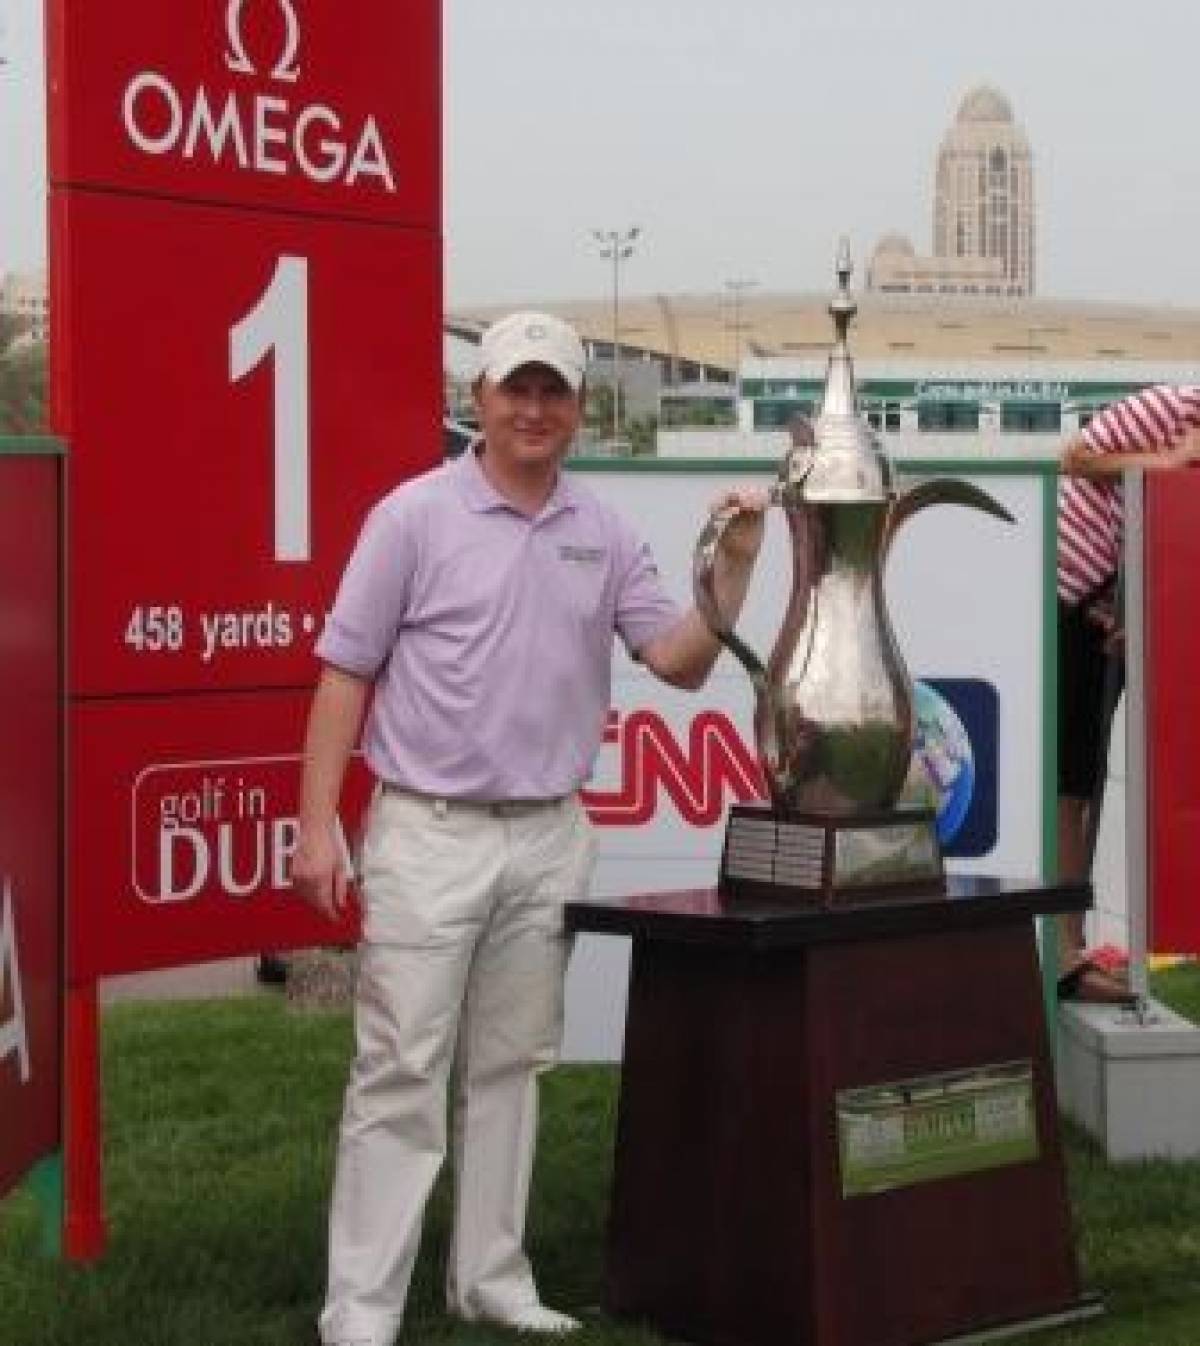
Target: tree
23,390
11,327
643,435
598,408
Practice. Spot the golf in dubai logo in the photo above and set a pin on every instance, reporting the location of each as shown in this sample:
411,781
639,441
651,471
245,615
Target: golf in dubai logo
216,829
259,131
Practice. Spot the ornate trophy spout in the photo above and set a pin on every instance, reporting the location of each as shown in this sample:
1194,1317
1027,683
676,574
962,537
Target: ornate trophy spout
833,701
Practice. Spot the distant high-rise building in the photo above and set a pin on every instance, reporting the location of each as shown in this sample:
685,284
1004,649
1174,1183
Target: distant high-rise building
983,224
983,196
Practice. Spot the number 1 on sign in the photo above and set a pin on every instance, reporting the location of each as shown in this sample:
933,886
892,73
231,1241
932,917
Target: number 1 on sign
278,324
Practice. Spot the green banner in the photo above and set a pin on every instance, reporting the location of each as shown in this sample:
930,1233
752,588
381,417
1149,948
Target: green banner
936,1126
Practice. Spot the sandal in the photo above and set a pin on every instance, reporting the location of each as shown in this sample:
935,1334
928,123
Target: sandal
1091,984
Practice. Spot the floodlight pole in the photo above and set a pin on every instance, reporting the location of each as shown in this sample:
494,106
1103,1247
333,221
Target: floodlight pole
738,288
616,247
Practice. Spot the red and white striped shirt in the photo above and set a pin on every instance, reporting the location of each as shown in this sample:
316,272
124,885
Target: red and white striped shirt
1091,510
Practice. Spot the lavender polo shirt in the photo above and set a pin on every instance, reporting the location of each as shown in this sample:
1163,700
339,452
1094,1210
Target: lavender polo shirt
489,634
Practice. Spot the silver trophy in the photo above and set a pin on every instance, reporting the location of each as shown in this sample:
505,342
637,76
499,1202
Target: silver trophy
834,702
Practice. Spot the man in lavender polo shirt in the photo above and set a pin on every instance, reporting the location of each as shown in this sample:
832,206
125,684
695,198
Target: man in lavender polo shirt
474,626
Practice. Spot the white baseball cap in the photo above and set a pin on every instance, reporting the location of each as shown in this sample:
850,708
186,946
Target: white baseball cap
531,339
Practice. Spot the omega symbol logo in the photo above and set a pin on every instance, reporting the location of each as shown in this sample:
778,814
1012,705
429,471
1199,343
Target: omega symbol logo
286,67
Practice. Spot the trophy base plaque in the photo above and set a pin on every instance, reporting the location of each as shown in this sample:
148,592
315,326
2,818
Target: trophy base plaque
779,854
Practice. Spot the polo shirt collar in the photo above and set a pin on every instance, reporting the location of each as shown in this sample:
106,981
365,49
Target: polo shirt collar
482,497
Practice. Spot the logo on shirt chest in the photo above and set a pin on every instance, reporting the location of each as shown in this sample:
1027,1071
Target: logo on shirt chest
582,556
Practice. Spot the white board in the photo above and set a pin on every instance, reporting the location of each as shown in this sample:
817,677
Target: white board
965,594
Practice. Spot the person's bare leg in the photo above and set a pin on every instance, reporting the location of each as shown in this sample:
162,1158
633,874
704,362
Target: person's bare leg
1072,867
1091,982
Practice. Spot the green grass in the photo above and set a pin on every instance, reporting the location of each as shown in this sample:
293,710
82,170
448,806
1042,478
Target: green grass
1179,987
219,1129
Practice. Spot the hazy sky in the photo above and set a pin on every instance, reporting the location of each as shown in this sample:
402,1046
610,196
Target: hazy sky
22,136
744,138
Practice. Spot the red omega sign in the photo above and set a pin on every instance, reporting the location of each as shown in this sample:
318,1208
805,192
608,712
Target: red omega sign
245,282
246,287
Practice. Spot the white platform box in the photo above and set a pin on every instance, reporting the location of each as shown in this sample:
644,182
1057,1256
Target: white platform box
1134,1085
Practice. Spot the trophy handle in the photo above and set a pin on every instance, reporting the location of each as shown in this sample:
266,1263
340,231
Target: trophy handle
939,491
744,527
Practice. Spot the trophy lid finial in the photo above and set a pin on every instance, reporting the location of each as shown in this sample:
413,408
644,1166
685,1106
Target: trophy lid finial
841,397
842,307
847,464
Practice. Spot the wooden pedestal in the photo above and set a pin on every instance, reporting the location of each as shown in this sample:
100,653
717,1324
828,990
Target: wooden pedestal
728,1222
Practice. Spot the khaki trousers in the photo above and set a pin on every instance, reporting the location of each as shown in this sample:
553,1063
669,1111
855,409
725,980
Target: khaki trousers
463,959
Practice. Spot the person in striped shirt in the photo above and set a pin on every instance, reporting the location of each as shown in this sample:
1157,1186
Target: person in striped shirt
1156,429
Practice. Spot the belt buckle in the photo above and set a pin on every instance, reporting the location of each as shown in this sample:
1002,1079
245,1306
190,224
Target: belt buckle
509,808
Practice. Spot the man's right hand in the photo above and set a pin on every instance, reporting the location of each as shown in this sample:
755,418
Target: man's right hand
319,871
319,864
